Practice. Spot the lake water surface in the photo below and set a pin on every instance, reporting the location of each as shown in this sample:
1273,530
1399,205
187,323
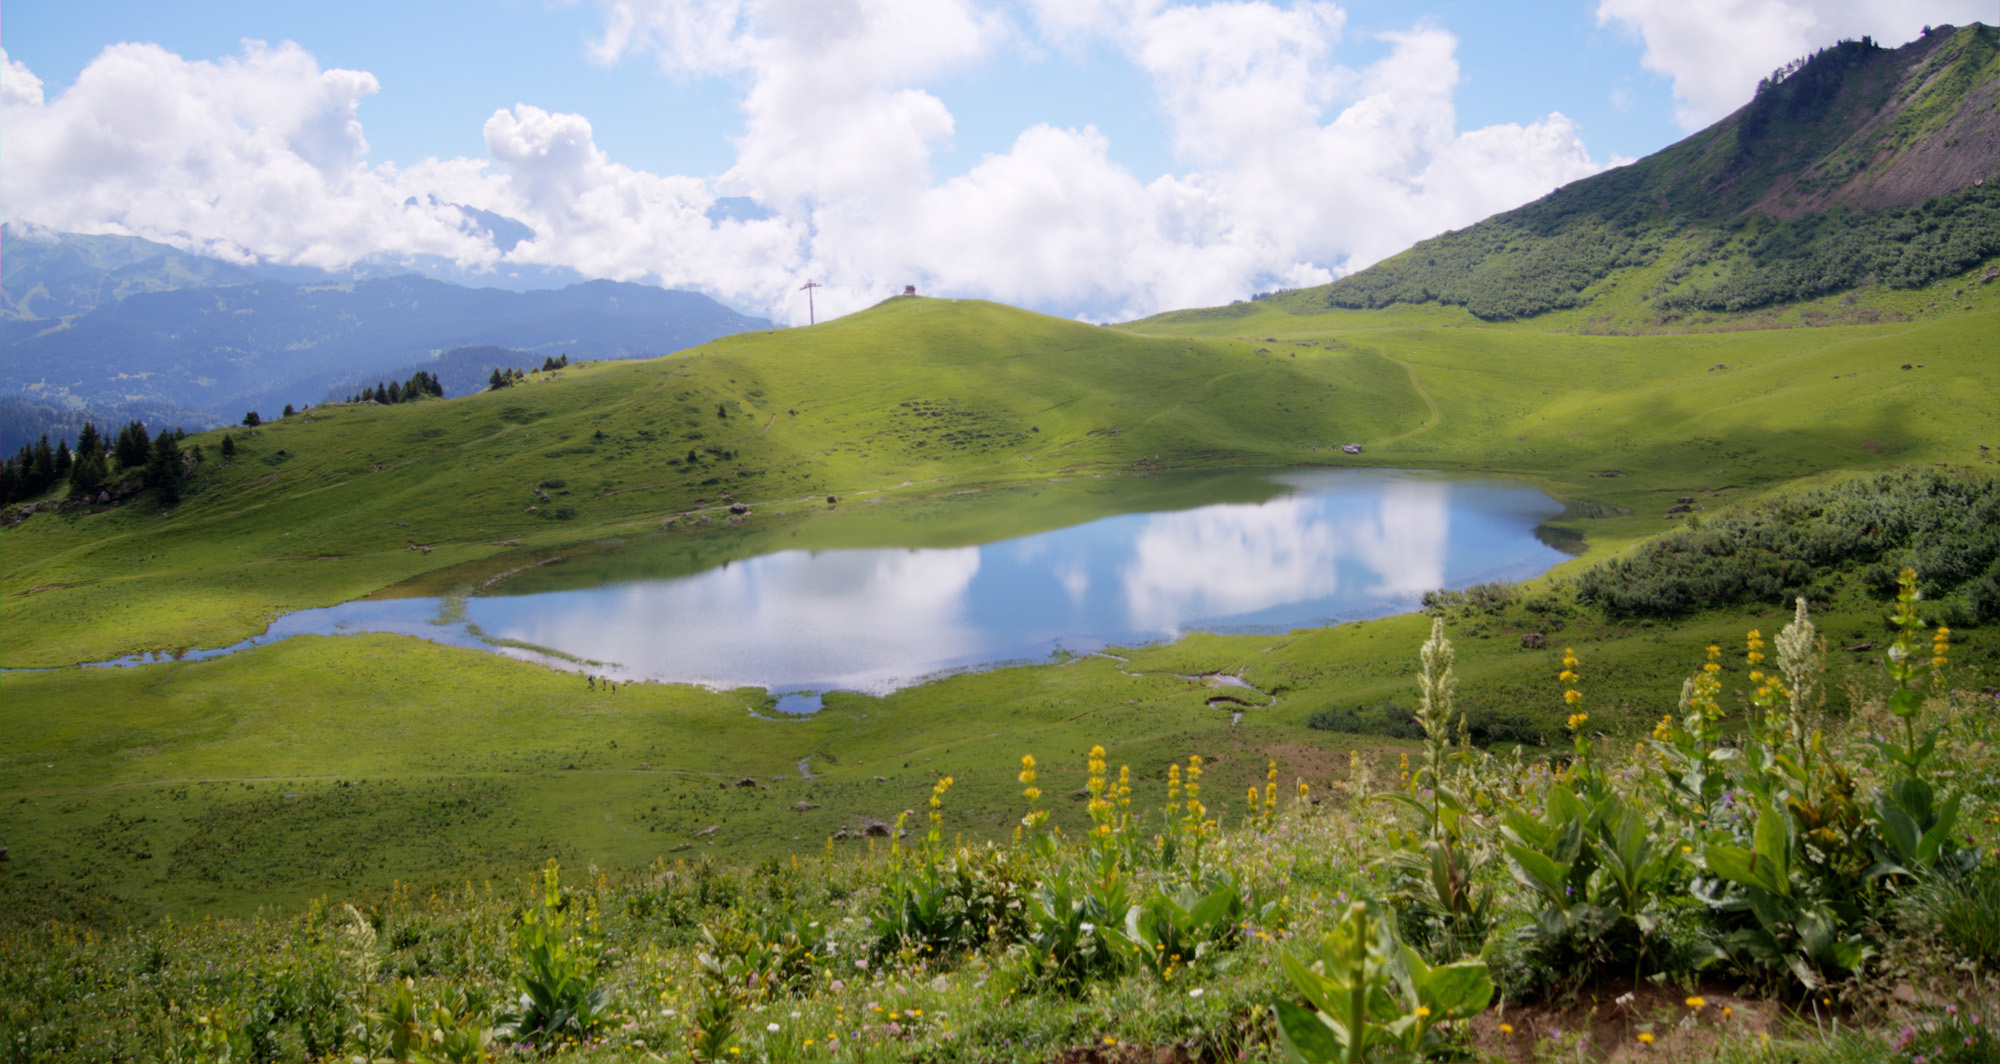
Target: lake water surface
1312,548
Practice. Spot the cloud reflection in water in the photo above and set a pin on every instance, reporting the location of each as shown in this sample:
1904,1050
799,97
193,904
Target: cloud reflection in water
1342,545
1228,561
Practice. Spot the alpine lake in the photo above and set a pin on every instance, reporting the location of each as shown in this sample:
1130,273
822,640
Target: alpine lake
875,595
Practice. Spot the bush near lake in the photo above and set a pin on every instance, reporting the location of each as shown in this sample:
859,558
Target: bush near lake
1944,522
1764,877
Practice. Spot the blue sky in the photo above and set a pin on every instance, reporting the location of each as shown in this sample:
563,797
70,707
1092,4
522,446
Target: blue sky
445,66
1092,157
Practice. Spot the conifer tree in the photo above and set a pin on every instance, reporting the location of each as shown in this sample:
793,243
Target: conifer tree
89,440
87,472
63,458
252,420
289,411
228,446
45,465
133,445
163,469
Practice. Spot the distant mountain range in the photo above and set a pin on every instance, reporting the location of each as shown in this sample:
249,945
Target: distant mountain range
94,321
1857,166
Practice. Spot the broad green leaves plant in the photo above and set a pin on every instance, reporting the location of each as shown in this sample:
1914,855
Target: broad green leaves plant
763,954
1451,914
560,994
1074,931
1790,928
1599,871
1371,998
1171,931
396,1030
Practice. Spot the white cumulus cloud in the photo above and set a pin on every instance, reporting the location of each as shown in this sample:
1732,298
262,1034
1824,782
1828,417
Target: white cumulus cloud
1291,168
1716,50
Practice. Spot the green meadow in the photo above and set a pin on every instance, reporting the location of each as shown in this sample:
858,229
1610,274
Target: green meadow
932,423
308,773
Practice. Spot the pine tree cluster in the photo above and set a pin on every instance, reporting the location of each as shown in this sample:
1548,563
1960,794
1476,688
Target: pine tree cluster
420,385
38,469
502,377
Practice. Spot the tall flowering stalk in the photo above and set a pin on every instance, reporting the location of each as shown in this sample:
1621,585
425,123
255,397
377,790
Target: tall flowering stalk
1573,698
1702,713
1685,742
1194,815
1184,814
1123,791
1909,669
1271,796
1772,700
1102,808
1032,821
936,833
1437,684
1801,660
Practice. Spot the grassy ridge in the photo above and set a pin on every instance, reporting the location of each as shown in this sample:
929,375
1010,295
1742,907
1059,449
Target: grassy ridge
322,508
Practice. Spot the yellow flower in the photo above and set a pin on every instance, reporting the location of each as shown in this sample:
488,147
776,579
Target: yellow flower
1423,1012
1506,1029
1727,1012
1697,1002
1572,696
1645,1038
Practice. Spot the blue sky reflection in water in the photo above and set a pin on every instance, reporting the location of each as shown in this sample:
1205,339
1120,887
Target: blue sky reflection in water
1340,546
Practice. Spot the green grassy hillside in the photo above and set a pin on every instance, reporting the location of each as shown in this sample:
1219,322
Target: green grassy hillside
324,507
925,418
1864,170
